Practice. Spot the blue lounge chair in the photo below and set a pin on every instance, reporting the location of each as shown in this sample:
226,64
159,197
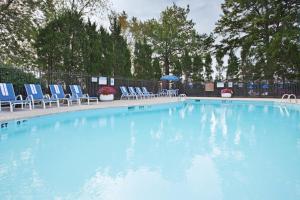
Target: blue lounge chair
140,93
133,93
7,96
57,92
146,92
125,93
35,95
77,93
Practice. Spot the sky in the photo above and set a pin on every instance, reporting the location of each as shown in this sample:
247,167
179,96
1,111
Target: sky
205,13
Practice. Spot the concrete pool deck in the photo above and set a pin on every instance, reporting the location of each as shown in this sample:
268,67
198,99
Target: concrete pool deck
5,115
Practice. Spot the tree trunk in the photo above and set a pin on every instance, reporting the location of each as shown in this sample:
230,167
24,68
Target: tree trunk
167,65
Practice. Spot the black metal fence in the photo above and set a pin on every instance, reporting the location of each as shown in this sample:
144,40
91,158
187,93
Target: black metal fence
264,88
261,89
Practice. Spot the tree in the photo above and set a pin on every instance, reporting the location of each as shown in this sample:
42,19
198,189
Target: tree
267,32
170,35
121,57
143,61
186,62
62,43
198,68
18,27
219,66
156,68
208,67
233,66
92,56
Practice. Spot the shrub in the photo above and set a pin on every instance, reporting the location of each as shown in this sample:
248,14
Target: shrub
106,90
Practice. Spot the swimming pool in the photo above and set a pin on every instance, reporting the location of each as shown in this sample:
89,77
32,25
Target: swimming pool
196,149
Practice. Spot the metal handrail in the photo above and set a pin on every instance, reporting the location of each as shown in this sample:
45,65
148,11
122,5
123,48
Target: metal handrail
288,97
285,95
292,95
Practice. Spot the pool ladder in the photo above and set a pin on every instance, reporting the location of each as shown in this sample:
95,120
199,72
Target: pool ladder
288,98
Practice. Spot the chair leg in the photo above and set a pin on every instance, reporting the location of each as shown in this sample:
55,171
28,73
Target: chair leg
10,106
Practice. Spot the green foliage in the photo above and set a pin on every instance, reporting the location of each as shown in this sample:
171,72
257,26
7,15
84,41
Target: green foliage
156,69
143,61
187,64
170,37
233,66
198,69
18,77
267,33
18,28
62,43
120,54
208,67
69,44
219,66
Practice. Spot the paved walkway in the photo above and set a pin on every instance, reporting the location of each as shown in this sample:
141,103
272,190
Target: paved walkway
5,115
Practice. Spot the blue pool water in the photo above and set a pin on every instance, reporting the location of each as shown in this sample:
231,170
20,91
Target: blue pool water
194,150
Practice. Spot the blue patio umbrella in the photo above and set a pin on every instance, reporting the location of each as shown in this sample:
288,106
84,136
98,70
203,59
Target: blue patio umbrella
265,86
169,78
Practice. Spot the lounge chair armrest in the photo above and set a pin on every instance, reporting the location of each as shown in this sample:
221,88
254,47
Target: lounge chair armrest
68,95
19,97
86,95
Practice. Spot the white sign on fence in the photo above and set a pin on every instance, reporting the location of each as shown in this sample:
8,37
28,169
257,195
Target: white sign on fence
112,81
102,80
220,84
94,79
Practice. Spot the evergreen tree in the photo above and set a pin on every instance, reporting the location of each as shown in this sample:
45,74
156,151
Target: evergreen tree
208,67
156,68
93,50
186,62
121,58
106,65
219,66
267,31
143,61
233,66
198,69
60,45
177,66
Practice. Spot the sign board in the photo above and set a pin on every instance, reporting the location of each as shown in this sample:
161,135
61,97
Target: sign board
220,84
102,80
94,79
209,87
112,81
230,84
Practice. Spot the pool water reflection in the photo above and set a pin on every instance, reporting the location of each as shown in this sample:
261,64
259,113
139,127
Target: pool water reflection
190,150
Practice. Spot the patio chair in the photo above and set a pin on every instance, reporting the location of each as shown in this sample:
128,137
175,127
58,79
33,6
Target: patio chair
77,93
146,92
163,92
57,92
35,95
133,93
140,93
7,96
125,93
